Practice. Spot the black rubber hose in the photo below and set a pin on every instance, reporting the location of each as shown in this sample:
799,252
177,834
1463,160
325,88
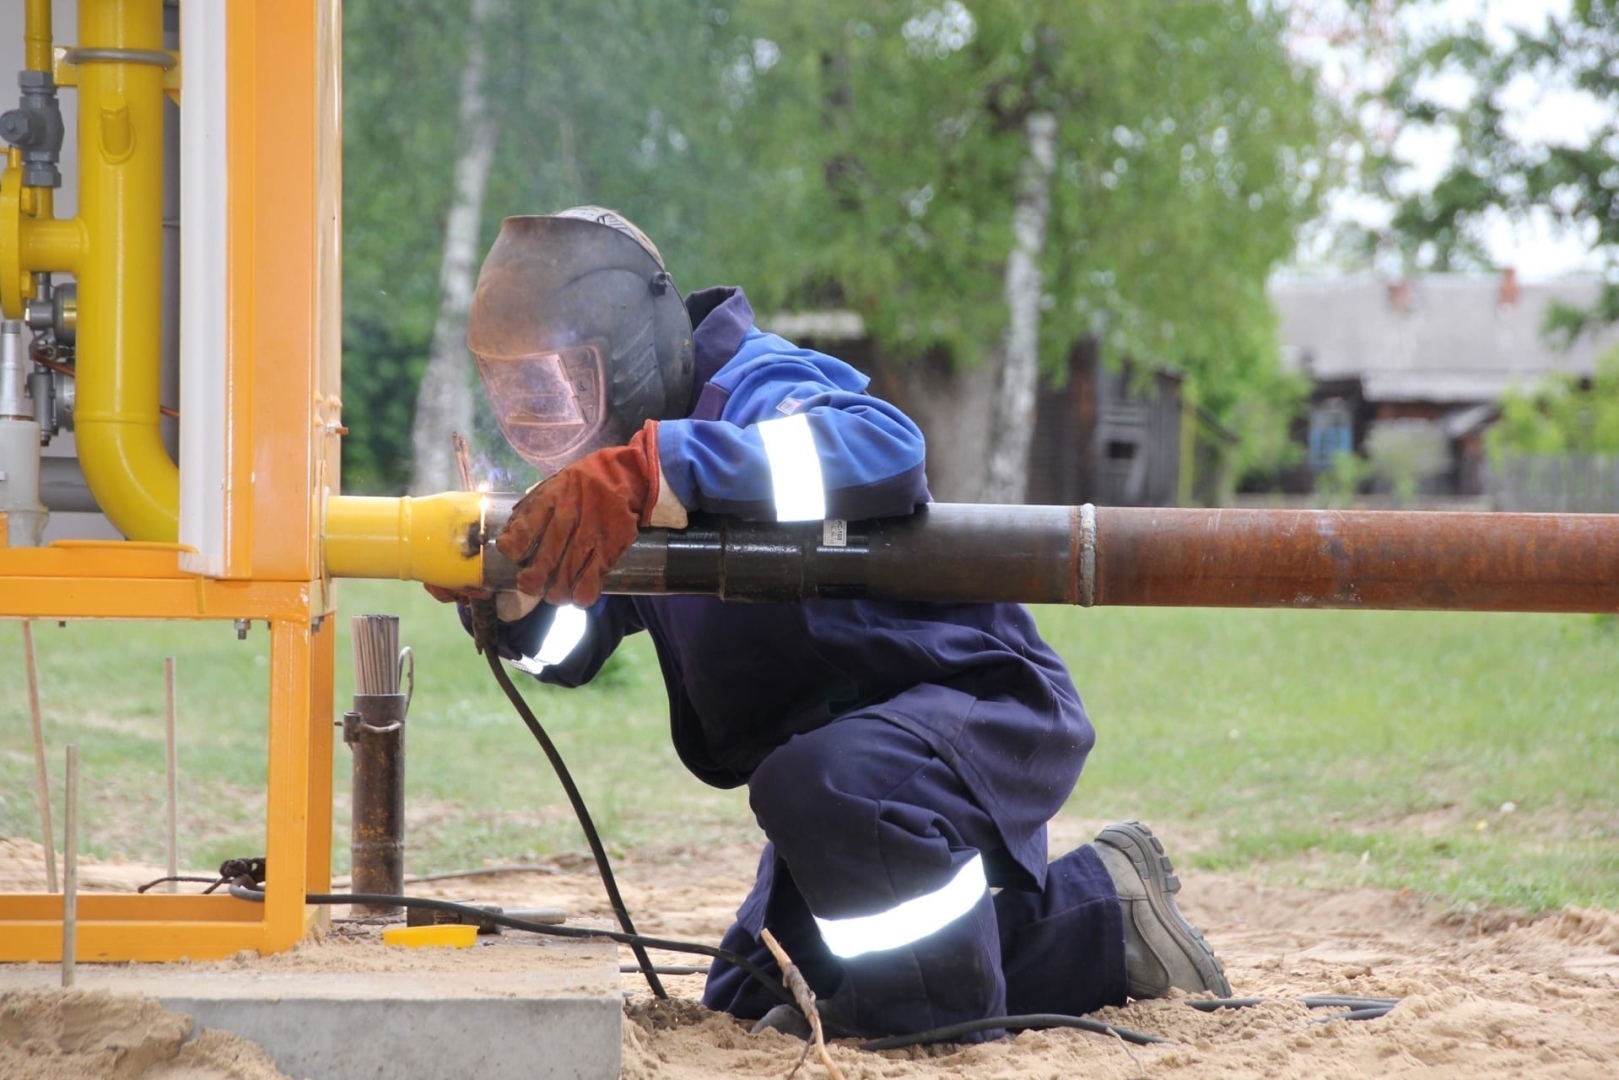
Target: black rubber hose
1371,1012
1361,1008
1341,1001
478,914
483,635
1013,1023
1313,1001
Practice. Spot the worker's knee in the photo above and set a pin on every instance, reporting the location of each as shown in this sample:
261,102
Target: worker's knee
791,781
844,781
827,776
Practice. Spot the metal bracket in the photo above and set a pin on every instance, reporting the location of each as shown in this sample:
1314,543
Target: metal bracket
1087,555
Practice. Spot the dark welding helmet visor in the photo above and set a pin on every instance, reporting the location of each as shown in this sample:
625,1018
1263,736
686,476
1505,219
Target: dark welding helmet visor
579,334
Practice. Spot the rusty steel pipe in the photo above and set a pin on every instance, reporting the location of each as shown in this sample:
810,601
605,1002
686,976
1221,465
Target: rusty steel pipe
1116,556
1391,560
375,732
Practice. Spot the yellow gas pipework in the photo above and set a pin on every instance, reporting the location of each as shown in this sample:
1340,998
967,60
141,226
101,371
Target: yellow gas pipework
37,34
114,247
435,539
116,421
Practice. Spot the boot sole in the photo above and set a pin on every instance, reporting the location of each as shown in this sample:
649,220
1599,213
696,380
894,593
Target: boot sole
1146,854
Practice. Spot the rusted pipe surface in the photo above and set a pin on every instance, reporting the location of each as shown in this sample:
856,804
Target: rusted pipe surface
1396,560
375,732
1390,560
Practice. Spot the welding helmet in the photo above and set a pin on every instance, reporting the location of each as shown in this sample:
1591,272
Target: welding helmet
579,335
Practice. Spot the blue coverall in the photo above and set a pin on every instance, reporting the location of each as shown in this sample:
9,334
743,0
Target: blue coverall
901,758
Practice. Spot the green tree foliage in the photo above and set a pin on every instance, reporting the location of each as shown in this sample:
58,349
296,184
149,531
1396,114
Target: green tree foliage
1499,165
1564,414
399,109
863,154
609,101
1187,144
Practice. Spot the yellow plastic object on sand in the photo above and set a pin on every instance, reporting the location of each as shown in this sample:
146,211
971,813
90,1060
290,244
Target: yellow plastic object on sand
456,936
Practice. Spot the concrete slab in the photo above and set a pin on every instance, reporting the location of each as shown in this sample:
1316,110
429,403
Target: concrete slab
507,1008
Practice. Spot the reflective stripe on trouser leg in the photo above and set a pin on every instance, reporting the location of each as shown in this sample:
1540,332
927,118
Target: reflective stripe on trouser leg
795,469
867,817
952,974
909,921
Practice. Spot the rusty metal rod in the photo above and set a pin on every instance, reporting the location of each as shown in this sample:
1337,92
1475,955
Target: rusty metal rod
31,672
171,773
70,867
1136,556
375,732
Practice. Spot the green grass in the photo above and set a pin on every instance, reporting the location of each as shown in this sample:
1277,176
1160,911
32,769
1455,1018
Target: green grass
1381,747
1327,748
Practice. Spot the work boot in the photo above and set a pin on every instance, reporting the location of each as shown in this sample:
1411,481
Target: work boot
789,1020
1161,949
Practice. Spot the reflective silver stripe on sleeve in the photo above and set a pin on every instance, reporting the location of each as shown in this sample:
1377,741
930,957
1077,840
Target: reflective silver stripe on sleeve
795,469
567,630
910,921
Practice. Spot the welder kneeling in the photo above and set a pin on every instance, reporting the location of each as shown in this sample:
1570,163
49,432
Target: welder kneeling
902,758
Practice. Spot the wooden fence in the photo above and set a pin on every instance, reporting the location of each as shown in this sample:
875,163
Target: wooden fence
1573,483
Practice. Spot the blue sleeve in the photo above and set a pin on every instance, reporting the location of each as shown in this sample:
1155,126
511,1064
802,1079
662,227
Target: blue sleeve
564,647
798,439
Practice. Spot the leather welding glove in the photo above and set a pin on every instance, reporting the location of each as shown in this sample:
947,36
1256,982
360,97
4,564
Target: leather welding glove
570,529
509,605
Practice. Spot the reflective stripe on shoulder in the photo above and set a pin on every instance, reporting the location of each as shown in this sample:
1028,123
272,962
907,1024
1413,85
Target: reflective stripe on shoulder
795,468
567,631
910,921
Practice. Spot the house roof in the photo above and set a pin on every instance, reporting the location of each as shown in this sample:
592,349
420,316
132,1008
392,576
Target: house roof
1444,338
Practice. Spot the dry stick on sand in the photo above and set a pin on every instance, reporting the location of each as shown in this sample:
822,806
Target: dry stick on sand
39,753
1141,1069
806,1001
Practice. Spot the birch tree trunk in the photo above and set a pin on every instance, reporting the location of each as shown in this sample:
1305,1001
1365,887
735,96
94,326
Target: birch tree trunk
1011,426
444,398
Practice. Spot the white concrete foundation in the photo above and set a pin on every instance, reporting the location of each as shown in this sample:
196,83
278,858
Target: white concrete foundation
503,1010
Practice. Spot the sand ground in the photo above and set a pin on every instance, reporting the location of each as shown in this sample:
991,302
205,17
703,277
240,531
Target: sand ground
1492,996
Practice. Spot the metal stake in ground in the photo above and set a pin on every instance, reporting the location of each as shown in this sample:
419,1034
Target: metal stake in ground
70,869
375,732
172,766
45,830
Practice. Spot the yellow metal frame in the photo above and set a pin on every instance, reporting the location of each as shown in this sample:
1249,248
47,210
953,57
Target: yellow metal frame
284,408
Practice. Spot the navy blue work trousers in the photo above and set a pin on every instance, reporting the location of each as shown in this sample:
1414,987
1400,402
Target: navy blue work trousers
862,816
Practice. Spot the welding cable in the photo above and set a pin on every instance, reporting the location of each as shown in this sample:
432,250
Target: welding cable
484,621
1314,1001
179,877
475,914
1360,1008
1027,1022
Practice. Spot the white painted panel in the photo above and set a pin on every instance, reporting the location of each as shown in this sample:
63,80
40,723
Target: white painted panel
204,251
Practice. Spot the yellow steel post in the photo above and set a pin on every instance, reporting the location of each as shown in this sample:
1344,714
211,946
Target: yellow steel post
323,651
286,847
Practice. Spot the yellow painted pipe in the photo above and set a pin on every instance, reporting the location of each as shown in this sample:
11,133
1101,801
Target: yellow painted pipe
120,265
37,34
435,539
52,244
